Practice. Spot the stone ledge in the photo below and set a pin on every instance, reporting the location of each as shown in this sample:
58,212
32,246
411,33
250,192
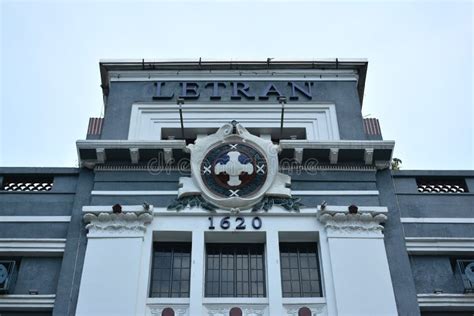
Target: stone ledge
19,302
446,302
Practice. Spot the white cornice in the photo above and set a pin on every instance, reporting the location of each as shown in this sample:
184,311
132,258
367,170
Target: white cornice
437,220
448,302
294,192
134,146
276,211
35,219
340,144
240,75
439,245
295,168
33,246
143,144
34,303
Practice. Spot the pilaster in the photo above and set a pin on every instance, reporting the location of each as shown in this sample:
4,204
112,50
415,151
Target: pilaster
275,302
197,273
110,278
361,275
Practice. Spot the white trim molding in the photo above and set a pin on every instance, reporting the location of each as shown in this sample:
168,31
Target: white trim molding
448,302
439,245
35,219
319,119
33,246
437,220
20,302
294,192
240,75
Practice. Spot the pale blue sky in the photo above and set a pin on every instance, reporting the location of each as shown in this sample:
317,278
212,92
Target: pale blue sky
419,81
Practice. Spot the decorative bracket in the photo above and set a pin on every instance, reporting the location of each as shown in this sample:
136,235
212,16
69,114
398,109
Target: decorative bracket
342,221
131,221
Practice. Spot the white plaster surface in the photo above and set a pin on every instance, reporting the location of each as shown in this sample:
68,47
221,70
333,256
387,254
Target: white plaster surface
361,277
110,277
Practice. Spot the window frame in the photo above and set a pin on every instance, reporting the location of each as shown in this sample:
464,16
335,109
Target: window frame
298,245
184,246
251,249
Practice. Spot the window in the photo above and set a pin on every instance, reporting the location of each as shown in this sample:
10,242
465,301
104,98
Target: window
235,270
300,270
171,270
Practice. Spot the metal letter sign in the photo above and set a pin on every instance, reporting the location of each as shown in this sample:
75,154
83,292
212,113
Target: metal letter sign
232,90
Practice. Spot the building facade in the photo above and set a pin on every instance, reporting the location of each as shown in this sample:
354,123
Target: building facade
235,188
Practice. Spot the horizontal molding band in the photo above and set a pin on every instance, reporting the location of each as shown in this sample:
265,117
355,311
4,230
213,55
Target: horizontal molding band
439,245
448,302
32,245
335,192
438,220
276,211
35,219
150,77
295,192
32,303
235,300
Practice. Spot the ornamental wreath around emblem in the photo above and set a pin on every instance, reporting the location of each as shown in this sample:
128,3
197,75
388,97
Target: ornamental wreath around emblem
234,170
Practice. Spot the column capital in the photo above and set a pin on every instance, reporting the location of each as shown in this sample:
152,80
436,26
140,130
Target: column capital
130,221
352,221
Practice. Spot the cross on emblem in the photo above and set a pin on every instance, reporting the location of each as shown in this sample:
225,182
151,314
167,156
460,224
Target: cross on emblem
207,169
234,168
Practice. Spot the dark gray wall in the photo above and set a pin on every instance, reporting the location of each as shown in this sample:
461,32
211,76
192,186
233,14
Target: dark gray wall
71,269
33,230
399,264
438,230
432,273
435,273
38,273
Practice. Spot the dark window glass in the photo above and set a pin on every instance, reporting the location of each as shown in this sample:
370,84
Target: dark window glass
235,270
171,270
300,275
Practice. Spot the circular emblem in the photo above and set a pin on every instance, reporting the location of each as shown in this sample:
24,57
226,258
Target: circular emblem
234,170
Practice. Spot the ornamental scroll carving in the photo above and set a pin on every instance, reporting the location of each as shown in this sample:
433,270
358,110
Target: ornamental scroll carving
123,224
316,309
366,223
179,310
248,310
